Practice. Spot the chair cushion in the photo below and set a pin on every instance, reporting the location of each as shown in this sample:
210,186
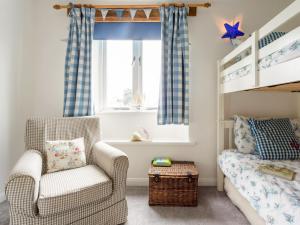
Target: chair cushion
73,188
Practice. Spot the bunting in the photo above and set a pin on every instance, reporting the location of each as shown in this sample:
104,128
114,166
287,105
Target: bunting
119,12
147,12
104,13
132,13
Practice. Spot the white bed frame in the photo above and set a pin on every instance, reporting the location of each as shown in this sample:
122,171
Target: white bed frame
223,183
224,127
280,74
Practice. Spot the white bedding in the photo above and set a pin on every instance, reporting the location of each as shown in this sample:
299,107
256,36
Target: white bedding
275,199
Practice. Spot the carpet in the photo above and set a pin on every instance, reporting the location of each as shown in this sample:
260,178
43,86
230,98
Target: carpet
214,208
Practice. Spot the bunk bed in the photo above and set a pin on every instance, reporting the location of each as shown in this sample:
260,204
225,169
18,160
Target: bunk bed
255,65
259,65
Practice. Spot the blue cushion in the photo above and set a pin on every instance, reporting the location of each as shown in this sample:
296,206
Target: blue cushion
269,38
275,139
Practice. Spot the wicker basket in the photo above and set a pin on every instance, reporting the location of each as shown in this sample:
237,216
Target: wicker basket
175,185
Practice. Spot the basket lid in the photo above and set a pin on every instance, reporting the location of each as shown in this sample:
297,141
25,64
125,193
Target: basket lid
178,168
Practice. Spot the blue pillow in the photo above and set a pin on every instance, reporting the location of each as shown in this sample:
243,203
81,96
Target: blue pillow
269,39
275,139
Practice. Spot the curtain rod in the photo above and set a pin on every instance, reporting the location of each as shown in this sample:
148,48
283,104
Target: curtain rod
195,5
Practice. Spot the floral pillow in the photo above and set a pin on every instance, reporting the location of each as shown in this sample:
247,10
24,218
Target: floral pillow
296,126
243,139
65,154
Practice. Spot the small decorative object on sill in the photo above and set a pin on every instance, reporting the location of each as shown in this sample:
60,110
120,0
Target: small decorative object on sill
140,135
136,137
162,161
138,101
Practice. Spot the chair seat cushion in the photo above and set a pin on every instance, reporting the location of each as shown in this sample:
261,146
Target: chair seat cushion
69,189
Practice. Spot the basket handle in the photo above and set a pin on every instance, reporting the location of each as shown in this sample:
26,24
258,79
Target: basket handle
190,177
156,177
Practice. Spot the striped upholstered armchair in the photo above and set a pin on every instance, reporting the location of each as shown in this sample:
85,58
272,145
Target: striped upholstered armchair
93,194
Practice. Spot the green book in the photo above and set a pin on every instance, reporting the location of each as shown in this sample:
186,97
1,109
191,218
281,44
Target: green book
162,161
277,171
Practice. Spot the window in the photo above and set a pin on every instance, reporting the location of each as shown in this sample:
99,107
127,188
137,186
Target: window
151,69
118,73
130,73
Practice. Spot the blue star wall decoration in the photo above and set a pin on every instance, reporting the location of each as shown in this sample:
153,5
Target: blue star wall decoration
232,32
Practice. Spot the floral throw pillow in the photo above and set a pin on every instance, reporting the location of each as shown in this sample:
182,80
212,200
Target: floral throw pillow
65,154
243,139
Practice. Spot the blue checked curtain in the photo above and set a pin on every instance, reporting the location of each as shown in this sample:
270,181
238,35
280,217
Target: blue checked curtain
174,87
78,87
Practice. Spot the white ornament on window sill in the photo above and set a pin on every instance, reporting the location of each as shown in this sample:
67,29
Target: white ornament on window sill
138,101
140,135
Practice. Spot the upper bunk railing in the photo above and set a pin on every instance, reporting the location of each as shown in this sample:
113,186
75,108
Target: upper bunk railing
252,80
287,14
252,59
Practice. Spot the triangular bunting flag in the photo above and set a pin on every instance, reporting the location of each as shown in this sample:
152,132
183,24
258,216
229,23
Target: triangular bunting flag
104,13
119,12
132,13
147,12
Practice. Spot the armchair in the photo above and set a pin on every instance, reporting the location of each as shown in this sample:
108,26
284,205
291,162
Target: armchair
93,194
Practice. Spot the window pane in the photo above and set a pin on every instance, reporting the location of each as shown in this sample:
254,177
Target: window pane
151,72
119,57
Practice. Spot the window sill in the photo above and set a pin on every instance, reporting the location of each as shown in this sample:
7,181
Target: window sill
150,143
104,112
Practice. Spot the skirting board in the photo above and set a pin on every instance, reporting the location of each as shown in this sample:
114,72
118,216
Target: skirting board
145,181
2,196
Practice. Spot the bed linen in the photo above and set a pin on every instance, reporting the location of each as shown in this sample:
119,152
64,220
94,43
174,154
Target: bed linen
285,54
276,200
242,203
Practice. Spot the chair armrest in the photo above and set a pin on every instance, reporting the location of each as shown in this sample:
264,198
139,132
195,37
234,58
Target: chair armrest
113,161
22,187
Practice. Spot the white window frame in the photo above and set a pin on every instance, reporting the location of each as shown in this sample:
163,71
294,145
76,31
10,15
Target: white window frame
137,76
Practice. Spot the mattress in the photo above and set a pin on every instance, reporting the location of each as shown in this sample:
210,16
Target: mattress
276,200
285,54
244,205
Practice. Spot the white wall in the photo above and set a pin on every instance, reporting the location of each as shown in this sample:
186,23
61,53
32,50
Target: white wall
116,126
48,52
14,18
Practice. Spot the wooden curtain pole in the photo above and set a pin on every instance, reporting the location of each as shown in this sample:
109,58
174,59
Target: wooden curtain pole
202,5
139,16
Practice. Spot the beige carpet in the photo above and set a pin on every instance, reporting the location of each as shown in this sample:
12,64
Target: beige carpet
214,209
